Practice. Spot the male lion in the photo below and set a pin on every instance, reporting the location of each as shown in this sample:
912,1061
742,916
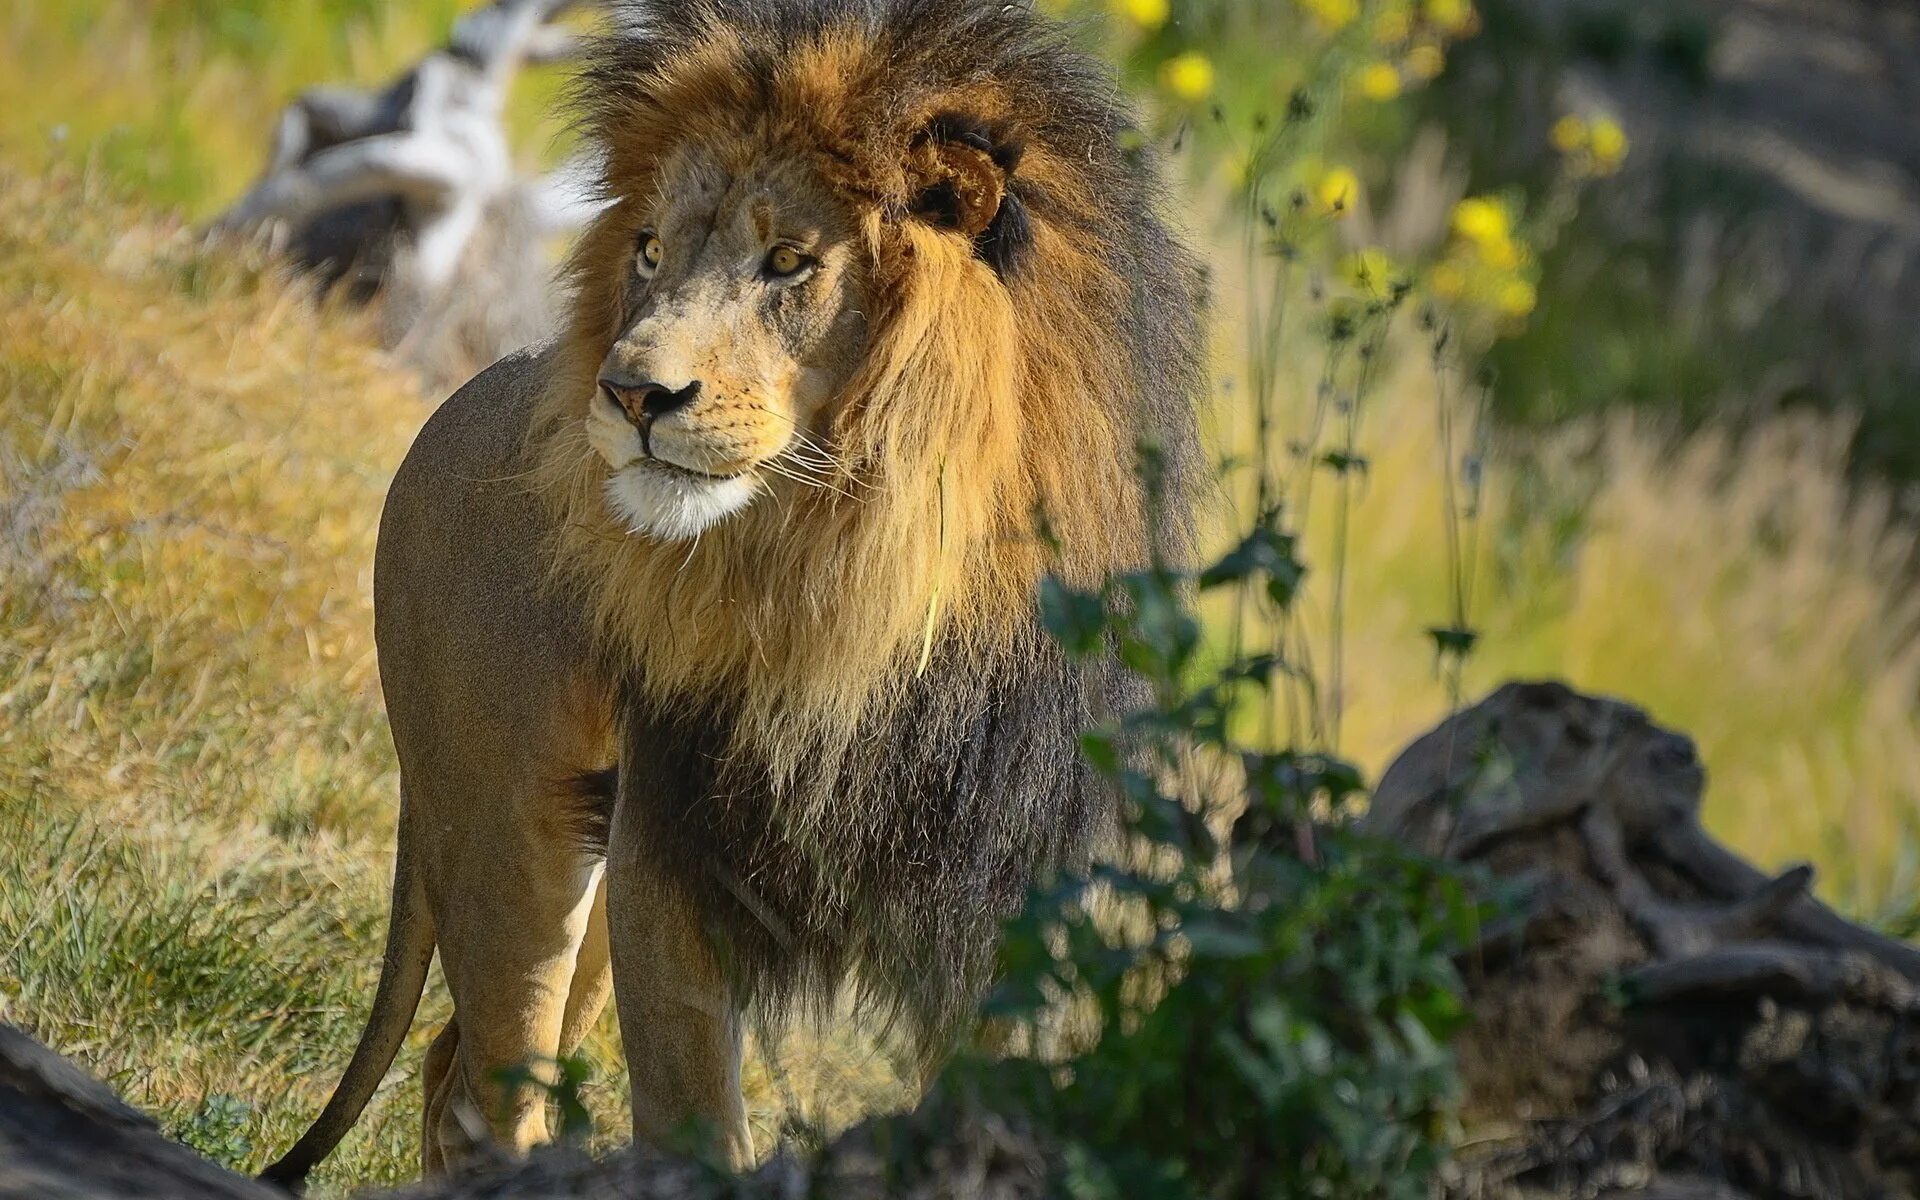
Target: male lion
880,281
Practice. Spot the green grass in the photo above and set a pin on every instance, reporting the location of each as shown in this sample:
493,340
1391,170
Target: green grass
194,972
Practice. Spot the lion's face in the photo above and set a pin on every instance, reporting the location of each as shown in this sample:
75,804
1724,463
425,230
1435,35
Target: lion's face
741,321
902,251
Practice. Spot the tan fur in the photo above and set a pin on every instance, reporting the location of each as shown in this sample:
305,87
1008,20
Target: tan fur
944,403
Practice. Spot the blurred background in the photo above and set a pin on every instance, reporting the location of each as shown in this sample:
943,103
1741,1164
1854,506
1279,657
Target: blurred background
1595,319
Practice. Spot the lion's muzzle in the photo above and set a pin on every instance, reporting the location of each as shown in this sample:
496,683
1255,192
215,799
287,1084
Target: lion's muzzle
646,401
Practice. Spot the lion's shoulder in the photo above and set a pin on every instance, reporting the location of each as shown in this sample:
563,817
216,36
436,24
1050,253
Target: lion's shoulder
482,427
459,503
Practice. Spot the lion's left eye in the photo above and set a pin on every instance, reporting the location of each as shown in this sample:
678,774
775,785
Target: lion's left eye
785,261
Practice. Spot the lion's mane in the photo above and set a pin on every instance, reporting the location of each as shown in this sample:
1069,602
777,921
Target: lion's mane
850,736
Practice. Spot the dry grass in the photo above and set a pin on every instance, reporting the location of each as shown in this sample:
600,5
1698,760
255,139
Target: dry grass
193,771
1742,590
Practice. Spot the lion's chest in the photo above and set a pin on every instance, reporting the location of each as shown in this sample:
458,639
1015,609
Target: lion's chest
897,863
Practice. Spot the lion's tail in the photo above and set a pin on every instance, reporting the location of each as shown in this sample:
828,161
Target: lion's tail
403,977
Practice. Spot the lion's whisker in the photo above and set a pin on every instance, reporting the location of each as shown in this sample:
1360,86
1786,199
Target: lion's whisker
824,470
823,462
829,474
788,471
798,431
775,467
794,476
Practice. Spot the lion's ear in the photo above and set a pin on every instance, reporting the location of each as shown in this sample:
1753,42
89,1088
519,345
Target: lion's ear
962,179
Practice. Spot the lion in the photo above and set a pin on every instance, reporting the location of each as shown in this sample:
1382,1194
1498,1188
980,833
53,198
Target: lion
866,343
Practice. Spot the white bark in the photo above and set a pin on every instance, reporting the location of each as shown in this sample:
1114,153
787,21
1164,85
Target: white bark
434,140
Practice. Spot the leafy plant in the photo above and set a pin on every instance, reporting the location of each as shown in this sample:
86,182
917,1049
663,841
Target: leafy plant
218,1129
1272,1007
562,1081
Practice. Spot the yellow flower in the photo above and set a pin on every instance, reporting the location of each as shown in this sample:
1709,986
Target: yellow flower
1607,142
1392,27
1147,14
1517,298
1377,82
1482,221
1503,255
1371,271
1451,16
1337,192
1188,76
1568,135
1426,61
1447,281
1332,15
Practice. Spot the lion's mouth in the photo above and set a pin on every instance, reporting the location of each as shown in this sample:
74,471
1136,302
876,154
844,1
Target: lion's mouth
693,473
674,503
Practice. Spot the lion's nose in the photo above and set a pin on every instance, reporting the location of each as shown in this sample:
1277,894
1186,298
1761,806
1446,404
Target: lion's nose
648,401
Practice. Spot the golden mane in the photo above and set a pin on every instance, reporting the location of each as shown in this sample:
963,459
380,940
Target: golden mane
986,395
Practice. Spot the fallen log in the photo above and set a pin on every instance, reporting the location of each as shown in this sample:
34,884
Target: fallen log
409,192
65,1136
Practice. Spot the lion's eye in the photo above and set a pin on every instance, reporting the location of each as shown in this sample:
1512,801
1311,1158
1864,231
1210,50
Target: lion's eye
785,261
650,253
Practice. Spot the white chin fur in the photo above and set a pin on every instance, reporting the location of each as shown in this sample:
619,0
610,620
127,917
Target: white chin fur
666,504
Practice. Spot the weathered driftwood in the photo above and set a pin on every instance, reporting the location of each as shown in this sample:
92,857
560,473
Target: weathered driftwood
411,191
66,1136
1658,1018
1654,1018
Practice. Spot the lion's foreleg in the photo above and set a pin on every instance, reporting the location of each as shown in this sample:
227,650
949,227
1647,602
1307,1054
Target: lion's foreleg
678,1020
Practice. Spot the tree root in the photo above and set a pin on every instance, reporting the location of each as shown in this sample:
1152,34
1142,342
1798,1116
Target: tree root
1666,1019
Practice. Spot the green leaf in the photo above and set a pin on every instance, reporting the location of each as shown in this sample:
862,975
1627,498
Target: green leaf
1456,642
1100,752
1076,619
1266,553
1217,939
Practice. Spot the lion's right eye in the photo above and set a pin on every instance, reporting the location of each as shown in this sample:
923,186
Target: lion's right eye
650,254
